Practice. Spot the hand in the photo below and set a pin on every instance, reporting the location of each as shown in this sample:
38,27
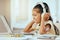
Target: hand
33,21
45,16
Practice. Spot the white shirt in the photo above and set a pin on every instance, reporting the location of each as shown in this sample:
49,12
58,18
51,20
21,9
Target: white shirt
37,26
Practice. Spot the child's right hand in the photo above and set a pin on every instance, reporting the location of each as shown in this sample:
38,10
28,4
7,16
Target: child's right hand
33,21
45,16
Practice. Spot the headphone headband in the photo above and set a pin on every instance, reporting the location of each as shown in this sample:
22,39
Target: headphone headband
41,3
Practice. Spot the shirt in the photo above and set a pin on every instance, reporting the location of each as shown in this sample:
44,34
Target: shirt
37,27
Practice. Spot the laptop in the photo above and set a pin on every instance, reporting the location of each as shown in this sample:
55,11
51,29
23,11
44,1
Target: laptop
4,27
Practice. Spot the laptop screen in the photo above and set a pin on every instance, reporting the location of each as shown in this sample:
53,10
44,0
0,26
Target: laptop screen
4,27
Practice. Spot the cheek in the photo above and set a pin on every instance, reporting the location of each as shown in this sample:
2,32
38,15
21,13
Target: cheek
38,18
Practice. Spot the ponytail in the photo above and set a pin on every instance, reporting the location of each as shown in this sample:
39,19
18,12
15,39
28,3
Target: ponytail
56,30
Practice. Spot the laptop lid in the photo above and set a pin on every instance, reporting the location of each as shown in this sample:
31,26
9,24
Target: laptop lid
4,27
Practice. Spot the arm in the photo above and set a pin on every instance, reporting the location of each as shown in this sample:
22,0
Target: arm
42,27
43,19
28,27
31,29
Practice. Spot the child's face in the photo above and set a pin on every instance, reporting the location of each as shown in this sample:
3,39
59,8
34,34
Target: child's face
36,15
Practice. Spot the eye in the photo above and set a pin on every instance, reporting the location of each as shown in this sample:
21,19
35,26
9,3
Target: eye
34,14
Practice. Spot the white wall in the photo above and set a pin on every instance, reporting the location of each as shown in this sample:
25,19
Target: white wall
58,13
19,13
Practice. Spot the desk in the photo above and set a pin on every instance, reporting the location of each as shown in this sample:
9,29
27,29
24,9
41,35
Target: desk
58,38
25,37
13,38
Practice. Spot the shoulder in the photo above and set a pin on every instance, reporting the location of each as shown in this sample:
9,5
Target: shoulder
49,22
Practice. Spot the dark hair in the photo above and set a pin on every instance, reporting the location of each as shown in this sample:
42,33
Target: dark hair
41,9
48,11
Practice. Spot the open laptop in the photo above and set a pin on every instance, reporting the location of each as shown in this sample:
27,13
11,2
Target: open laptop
4,27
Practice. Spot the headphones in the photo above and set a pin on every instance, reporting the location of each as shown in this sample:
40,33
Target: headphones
43,6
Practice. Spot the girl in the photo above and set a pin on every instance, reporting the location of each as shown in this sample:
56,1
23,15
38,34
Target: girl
44,24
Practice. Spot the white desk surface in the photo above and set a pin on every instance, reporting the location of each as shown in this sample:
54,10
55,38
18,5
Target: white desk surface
26,37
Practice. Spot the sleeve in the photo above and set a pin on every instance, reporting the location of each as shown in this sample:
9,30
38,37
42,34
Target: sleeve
34,26
52,27
48,25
